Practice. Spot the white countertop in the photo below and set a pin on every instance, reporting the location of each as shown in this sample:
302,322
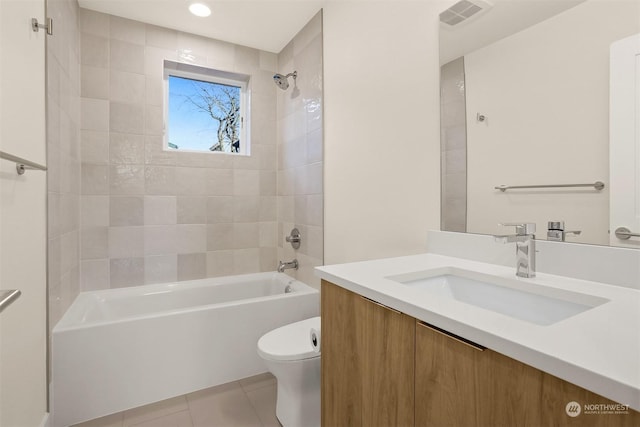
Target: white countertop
598,349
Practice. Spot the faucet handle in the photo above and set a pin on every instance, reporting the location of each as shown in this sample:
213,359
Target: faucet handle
555,225
522,228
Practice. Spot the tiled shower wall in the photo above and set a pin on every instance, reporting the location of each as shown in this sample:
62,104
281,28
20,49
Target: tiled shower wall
453,143
150,215
300,151
63,157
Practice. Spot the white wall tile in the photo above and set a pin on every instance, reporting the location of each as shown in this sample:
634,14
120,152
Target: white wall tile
126,56
126,242
94,274
268,62
126,148
192,210
191,238
220,237
268,234
95,50
315,210
268,258
247,60
160,210
95,114
219,263
315,177
95,23
246,208
127,30
246,182
95,179
126,87
154,61
160,269
153,120
154,91
162,37
126,118
126,180
94,243
246,261
268,183
126,272
126,210
220,209
191,181
314,146
192,266
94,146
307,34
220,55
268,209
160,180
160,240
246,235
95,82
219,182
94,211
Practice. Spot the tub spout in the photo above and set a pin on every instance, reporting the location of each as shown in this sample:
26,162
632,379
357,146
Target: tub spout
282,266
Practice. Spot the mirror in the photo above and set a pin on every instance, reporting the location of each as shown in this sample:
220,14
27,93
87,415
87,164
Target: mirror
525,102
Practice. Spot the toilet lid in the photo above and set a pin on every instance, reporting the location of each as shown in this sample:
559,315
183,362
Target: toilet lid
289,342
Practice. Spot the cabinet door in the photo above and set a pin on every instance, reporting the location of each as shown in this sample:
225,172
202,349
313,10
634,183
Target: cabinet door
445,379
557,394
509,393
340,362
388,368
367,362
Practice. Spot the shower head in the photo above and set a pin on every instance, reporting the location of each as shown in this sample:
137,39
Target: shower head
282,81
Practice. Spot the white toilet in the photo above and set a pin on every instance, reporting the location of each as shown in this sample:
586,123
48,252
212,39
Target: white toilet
290,357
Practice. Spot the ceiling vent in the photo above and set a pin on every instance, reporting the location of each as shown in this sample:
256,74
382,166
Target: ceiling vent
463,11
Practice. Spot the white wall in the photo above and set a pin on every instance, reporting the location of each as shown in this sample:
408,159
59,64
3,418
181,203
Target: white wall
23,385
545,92
382,149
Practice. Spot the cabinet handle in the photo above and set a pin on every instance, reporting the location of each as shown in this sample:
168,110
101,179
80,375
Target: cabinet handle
381,305
453,336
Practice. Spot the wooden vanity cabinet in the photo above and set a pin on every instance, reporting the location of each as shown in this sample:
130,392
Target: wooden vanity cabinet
445,380
460,383
381,367
368,357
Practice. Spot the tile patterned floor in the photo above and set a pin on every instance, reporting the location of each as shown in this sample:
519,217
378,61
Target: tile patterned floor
250,402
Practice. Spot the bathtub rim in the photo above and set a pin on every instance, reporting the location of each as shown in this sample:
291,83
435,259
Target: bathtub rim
61,327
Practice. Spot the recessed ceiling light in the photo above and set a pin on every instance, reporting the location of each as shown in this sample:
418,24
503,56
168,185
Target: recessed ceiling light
200,9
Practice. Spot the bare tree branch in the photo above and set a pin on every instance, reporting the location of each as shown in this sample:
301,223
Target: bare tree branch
221,103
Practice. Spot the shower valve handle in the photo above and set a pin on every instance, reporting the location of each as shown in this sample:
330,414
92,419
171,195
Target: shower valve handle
294,238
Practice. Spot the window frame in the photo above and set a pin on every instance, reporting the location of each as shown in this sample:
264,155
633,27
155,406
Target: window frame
208,75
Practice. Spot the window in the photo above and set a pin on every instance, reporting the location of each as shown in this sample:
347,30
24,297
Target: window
205,109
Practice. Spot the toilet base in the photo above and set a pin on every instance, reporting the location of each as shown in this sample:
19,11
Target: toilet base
298,399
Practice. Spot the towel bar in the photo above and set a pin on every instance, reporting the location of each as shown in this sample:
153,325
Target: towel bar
21,164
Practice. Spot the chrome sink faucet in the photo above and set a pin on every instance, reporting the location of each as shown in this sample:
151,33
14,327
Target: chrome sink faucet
282,266
525,241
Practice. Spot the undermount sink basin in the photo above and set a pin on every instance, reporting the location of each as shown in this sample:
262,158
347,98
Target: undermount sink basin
526,301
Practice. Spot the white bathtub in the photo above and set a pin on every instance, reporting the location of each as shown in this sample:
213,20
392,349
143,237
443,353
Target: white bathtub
122,348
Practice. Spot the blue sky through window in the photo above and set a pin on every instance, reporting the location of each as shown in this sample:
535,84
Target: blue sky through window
189,127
